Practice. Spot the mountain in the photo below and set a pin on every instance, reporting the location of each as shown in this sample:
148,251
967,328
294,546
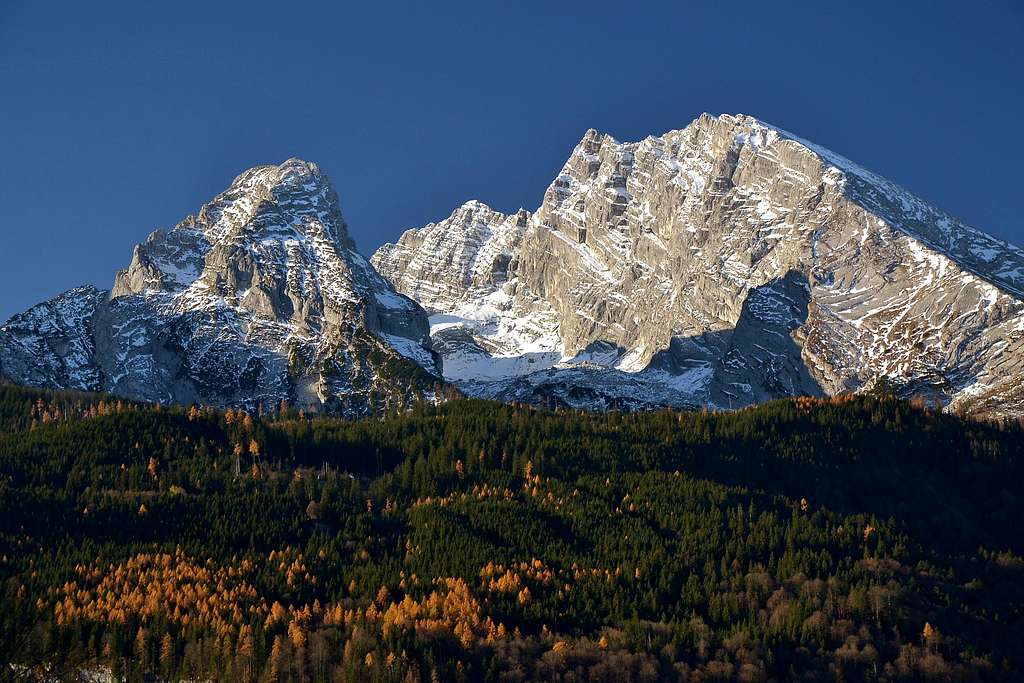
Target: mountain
260,297
722,264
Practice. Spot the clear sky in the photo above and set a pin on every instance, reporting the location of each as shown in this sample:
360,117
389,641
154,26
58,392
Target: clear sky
118,118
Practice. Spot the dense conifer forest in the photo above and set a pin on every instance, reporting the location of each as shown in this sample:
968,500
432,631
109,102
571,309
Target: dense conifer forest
857,538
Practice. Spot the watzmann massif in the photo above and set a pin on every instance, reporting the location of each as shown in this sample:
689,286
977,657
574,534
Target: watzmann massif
722,264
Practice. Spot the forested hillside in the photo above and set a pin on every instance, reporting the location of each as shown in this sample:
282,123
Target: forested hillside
857,538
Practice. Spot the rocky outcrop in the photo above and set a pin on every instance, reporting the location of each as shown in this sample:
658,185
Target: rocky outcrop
463,258
51,344
260,297
723,264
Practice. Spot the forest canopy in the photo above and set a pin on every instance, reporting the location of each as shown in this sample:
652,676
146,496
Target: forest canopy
854,538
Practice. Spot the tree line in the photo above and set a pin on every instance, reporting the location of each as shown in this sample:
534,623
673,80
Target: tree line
855,538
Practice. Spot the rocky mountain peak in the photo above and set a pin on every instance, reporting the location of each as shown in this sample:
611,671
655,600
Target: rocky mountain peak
295,195
274,242
293,173
465,255
260,296
722,263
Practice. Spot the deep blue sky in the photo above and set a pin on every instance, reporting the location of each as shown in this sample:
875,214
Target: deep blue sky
120,119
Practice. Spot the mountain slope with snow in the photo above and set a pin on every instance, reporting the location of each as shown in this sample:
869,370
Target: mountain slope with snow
724,263
260,297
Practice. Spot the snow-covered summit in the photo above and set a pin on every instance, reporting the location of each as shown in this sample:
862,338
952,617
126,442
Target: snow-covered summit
725,263
259,297
464,256
988,257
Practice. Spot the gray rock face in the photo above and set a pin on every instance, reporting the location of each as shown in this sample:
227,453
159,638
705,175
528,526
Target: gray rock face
259,298
724,264
51,344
